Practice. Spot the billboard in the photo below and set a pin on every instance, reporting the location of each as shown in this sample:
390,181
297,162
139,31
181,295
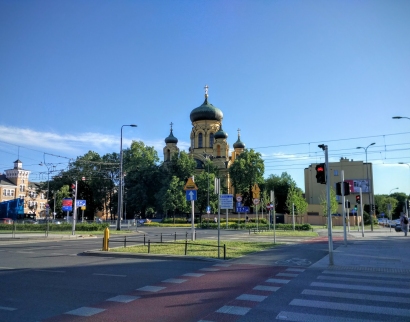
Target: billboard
356,184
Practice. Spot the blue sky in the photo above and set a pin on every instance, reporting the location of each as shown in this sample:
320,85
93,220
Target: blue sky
290,74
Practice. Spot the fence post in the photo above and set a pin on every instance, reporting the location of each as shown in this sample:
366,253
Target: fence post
161,237
186,235
224,252
125,241
149,246
186,245
175,238
144,239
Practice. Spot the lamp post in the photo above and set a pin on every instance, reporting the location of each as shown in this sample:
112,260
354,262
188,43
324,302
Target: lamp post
392,190
119,208
400,117
48,166
208,157
370,190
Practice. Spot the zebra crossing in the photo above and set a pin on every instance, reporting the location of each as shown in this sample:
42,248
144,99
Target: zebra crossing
342,295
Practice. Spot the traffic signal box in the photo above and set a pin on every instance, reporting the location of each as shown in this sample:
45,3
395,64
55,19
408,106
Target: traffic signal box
358,199
346,188
71,191
321,173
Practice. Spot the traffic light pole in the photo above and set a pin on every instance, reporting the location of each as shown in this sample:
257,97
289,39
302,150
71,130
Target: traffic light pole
328,211
342,175
361,210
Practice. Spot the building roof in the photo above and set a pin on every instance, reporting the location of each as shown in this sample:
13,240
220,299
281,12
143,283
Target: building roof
206,112
171,138
5,182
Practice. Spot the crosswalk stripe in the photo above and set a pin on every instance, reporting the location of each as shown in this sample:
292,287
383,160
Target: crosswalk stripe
350,273
354,280
293,316
349,307
362,287
358,296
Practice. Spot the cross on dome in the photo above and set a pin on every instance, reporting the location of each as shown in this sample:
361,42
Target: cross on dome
206,90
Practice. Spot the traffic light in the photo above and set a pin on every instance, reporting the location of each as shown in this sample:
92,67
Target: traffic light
358,199
346,188
321,173
408,204
71,190
355,207
373,207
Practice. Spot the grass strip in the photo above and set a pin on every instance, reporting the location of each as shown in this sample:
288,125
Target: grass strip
200,247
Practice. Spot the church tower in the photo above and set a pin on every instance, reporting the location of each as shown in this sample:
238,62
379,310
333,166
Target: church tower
171,146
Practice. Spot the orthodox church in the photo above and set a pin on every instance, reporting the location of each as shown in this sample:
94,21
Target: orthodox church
208,141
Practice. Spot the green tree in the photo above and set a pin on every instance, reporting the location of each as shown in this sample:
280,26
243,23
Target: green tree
333,202
174,197
280,185
142,178
247,169
295,197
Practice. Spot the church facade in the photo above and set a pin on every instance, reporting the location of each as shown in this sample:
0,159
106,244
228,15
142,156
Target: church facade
208,141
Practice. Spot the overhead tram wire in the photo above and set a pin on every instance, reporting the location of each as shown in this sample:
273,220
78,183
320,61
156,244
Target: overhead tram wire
326,141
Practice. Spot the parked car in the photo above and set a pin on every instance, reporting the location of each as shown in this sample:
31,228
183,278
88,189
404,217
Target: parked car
397,228
7,221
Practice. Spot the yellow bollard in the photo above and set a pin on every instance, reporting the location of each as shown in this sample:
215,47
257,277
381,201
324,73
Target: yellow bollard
106,239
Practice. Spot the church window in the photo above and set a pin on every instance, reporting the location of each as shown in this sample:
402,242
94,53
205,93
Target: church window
211,140
192,143
168,155
22,188
218,150
200,144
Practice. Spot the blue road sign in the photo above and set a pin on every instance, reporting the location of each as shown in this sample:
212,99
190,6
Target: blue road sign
226,201
81,203
242,209
190,195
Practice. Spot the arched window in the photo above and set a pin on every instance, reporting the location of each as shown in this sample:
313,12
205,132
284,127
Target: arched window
211,140
218,150
192,143
200,140
168,157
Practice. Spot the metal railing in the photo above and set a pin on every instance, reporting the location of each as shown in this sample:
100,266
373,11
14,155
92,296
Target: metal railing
164,240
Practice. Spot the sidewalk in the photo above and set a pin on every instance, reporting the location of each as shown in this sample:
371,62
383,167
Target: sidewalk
380,250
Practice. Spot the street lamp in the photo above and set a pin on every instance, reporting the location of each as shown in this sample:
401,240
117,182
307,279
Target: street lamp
400,117
119,208
48,166
208,157
367,169
392,190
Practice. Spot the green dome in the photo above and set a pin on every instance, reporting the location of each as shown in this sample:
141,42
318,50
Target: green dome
221,134
206,112
239,144
171,138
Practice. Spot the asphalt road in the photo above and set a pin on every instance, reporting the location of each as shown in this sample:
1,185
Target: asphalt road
51,281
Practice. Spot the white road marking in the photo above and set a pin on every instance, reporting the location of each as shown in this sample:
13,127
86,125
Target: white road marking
277,281
85,311
349,307
151,288
5,308
193,274
174,280
362,287
123,298
251,297
266,288
236,310
287,274
358,296
292,316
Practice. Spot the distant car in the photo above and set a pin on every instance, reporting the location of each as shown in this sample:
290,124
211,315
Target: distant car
56,222
29,221
7,221
397,228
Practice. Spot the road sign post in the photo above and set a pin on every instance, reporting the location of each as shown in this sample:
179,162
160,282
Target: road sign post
191,188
